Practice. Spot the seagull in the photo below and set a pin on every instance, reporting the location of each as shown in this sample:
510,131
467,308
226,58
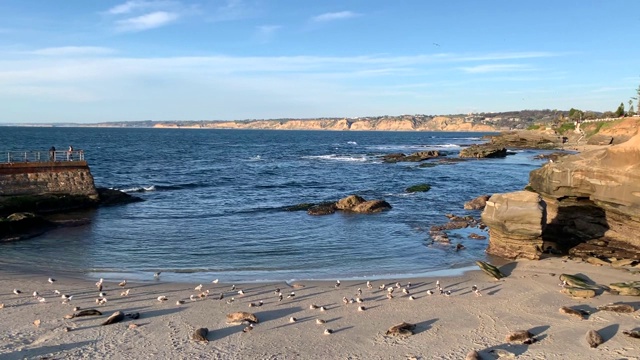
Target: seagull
322,308
179,302
408,284
162,298
215,281
429,292
280,296
313,306
359,300
345,300
328,331
157,275
337,284
320,321
57,292
192,297
41,299
475,290
359,292
102,295
66,297
35,294
292,294
198,288
369,286
125,293
221,296
382,286
101,301
389,296
233,287
361,308
405,291
123,283
390,289
411,297
437,283
276,291
240,292
231,300
398,285
248,328
447,293
51,280
292,319
99,283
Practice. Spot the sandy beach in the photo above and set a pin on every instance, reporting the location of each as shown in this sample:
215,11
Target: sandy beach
447,327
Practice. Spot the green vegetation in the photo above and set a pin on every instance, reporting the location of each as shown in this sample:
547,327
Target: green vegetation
565,127
620,110
534,127
418,188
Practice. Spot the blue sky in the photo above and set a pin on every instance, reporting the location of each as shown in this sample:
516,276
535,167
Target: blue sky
94,61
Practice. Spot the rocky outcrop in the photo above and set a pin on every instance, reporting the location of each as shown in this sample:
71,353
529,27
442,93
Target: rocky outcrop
599,139
588,203
527,139
415,157
483,151
351,203
477,203
515,222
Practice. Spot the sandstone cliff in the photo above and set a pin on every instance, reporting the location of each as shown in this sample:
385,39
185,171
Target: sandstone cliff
383,124
590,205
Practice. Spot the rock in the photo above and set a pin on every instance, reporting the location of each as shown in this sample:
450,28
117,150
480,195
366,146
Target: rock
299,207
240,316
594,339
599,139
403,329
477,236
627,289
490,270
111,197
515,222
553,156
451,225
576,281
324,209
596,261
483,151
572,312
624,262
372,206
619,308
518,336
23,225
200,335
526,140
578,292
415,157
418,188
349,202
477,203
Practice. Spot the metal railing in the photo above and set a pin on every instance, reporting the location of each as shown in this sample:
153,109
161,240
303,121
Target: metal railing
41,156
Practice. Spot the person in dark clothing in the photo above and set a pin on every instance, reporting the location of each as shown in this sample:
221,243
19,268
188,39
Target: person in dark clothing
52,154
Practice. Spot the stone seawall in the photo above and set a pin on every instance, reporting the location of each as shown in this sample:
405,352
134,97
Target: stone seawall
47,178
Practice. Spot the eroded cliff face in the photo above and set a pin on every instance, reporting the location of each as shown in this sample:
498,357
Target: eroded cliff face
588,199
435,124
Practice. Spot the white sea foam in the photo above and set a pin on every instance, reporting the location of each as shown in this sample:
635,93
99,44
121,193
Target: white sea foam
352,143
335,157
137,189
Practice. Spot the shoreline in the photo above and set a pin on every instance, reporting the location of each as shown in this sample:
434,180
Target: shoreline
527,299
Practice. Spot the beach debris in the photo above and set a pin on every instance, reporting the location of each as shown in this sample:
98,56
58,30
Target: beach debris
594,339
87,312
626,288
240,316
123,283
320,321
518,336
577,292
580,314
619,308
632,333
490,270
36,323
576,282
116,317
472,355
200,334
403,329
503,354
328,331
17,292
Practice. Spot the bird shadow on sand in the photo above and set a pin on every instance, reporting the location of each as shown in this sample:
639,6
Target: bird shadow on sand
507,269
342,329
39,352
424,326
271,315
516,349
298,321
608,332
222,333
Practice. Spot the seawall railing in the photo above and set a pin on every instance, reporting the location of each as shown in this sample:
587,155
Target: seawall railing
41,156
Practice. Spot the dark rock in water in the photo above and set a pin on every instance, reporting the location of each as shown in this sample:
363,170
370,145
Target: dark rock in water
553,156
477,236
372,206
323,209
483,151
415,157
19,226
349,202
418,188
111,197
452,225
299,207
477,203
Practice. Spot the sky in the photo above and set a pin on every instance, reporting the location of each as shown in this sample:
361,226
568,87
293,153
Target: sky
96,61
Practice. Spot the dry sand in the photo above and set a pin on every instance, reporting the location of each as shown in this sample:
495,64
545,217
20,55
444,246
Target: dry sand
448,327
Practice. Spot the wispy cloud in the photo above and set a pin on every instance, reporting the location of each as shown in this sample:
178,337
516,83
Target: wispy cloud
73,51
147,21
140,5
341,15
493,68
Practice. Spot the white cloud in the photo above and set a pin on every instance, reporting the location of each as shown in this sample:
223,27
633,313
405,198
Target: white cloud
492,68
126,7
147,21
73,51
265,33
334,16
141,5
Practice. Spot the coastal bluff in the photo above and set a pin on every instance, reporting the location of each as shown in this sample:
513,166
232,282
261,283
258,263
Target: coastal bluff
439,123
587,204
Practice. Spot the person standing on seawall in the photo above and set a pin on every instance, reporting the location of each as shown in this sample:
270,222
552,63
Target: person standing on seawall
52,154
70,153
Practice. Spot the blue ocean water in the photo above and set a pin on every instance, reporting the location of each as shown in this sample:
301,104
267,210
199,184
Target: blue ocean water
215,203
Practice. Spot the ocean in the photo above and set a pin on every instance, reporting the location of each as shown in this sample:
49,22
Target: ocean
215,204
